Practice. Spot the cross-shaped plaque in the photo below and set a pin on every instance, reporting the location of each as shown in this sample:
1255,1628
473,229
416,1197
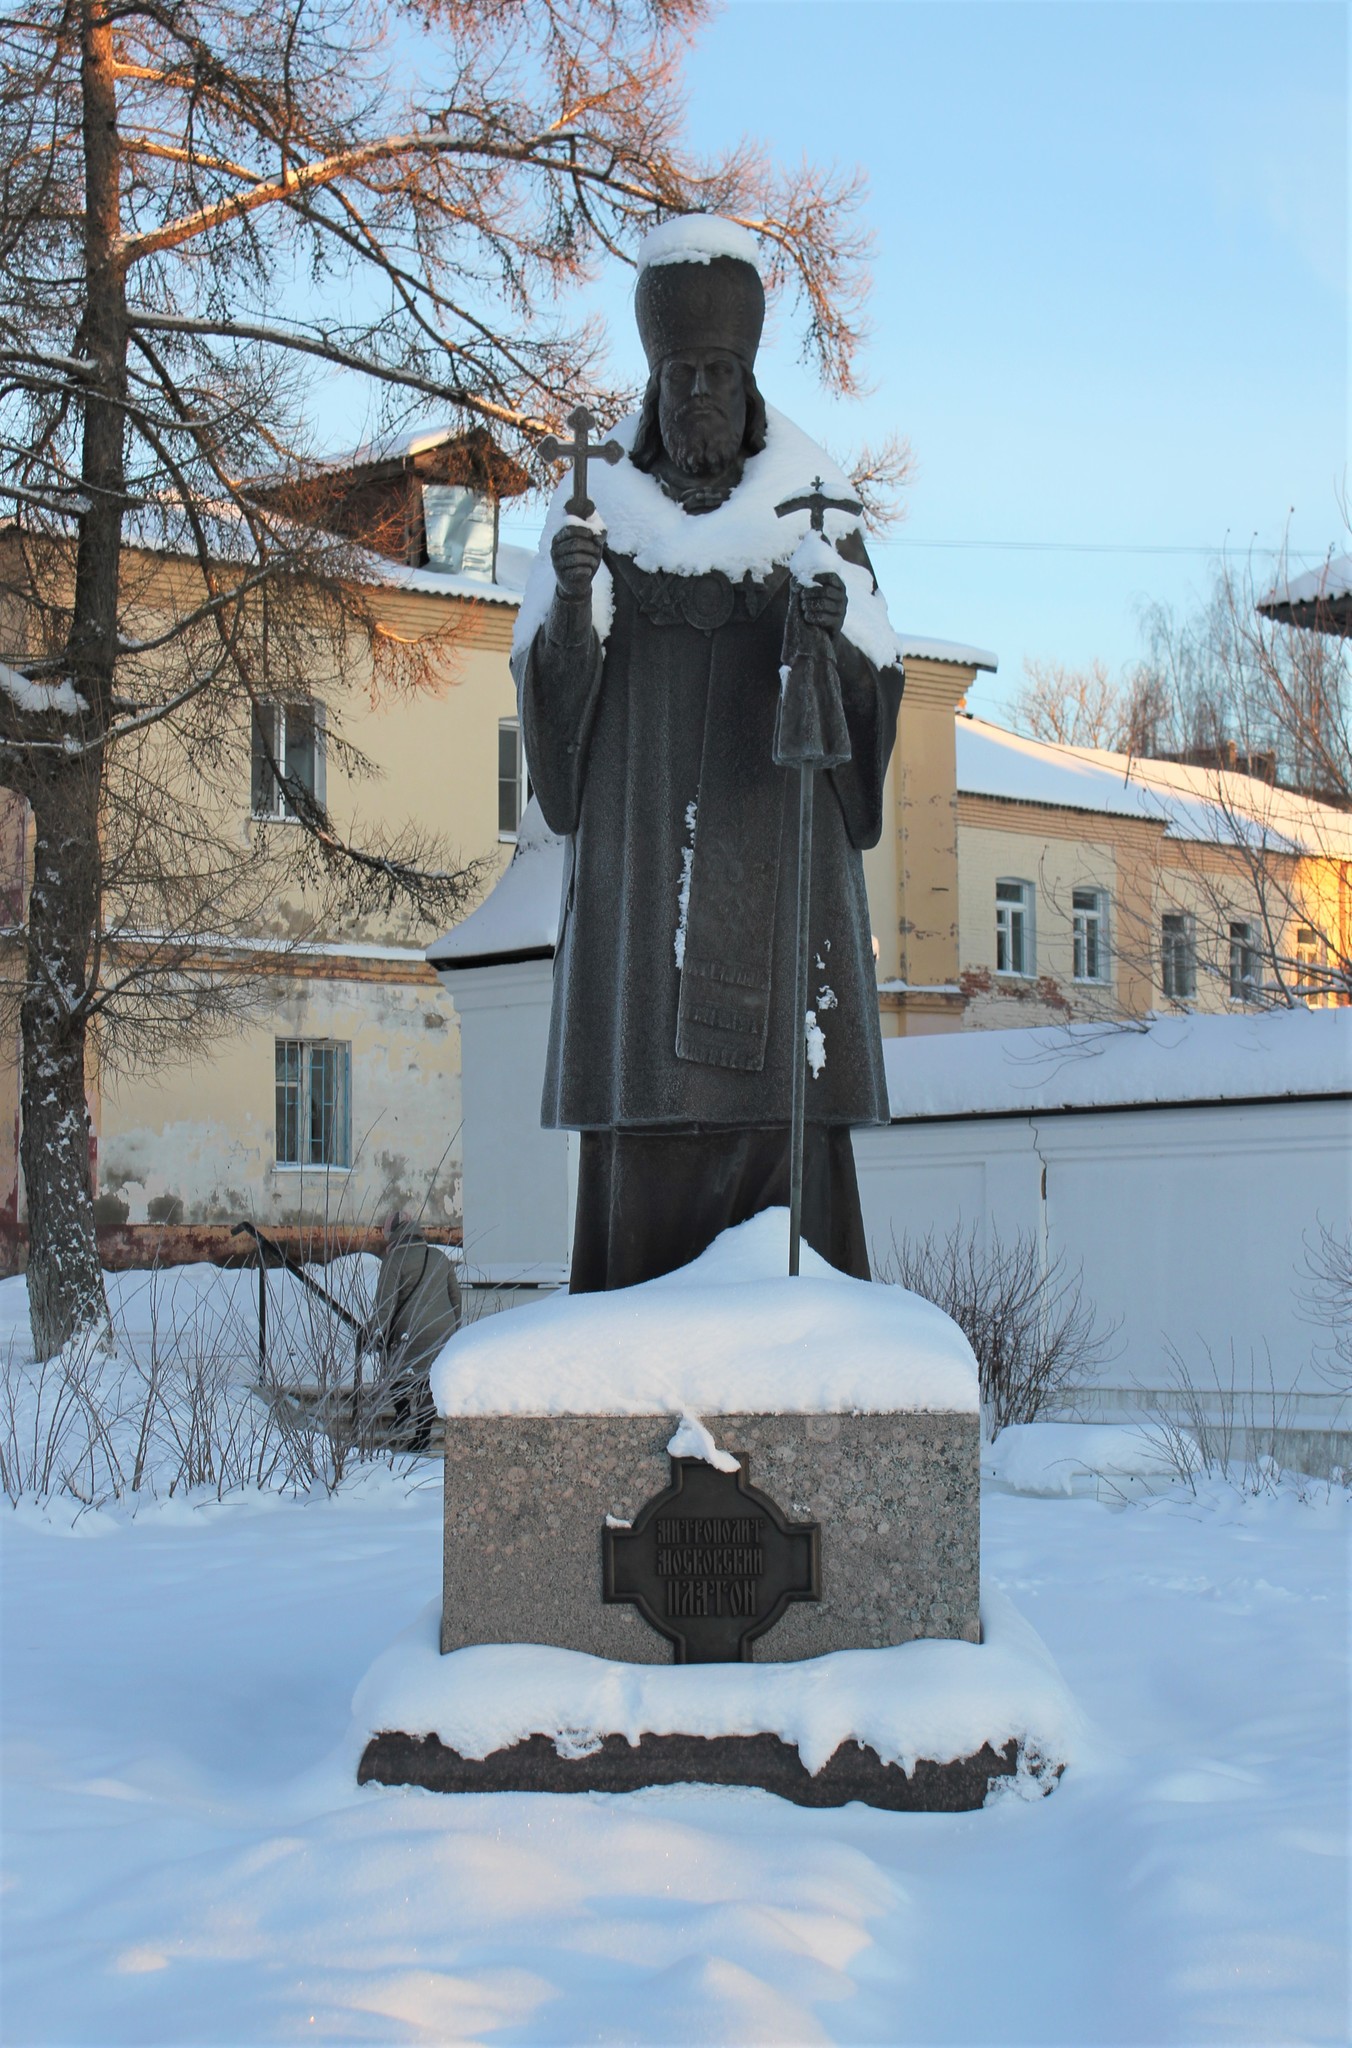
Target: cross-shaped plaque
712,1563
580,451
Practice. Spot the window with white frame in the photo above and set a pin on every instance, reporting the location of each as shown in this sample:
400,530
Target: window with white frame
314,1121
513,781
1013,927
1178,956
288,756
1243,963
1309,962
1089,916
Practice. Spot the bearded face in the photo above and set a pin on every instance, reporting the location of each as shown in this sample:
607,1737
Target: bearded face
702,407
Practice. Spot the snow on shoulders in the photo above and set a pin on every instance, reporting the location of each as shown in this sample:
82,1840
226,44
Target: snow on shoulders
697,238
744,536
1275,1053
729,1334
520,914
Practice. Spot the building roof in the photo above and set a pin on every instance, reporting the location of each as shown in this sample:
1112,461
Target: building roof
1321,599
1207,805
917,647
1047,1069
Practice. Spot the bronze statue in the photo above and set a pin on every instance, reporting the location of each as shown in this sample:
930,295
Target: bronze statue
656,637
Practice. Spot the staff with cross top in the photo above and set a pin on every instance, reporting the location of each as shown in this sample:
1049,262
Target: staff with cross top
810,734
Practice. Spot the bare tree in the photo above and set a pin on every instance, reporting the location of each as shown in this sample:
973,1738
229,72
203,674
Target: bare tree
1233,688
1077,707
202,203
1036,1340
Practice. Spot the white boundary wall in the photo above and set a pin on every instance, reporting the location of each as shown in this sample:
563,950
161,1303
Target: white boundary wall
1187,1219
1188,1223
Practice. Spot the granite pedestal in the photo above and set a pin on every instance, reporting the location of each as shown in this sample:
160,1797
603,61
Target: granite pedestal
896,1497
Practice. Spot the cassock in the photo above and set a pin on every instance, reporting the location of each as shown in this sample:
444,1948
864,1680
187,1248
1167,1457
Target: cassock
648,715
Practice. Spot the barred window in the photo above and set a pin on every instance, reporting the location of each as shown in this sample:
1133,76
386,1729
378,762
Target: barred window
293,737
1178,956
314,1125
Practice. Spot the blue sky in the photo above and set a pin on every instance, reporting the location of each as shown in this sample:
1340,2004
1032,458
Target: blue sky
1109,301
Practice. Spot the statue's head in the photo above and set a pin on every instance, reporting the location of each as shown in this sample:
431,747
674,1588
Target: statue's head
700,306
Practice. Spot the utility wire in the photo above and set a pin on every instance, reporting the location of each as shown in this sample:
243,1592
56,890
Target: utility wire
1080,547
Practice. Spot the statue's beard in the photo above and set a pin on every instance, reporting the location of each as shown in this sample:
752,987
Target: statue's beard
700,441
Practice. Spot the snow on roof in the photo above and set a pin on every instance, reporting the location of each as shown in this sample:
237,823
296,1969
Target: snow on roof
729,1334
918,647
519,917
697,238
1276,1053
1208,805
1330,581
164,530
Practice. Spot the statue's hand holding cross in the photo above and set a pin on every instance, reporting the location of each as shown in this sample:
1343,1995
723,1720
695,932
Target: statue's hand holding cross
576,548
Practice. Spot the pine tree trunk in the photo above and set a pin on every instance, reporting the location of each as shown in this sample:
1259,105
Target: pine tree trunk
65,1283
65,1280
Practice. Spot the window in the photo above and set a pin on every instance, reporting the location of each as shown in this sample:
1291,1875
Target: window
462,531
1178,956
1089,912
293,735
1243,964
1013,927
314,1127
513,781
1309,962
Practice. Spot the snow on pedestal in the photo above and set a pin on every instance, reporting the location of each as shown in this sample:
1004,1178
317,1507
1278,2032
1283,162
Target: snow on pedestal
852,1406
856,1406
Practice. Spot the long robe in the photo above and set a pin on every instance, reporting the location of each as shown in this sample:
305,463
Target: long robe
635,748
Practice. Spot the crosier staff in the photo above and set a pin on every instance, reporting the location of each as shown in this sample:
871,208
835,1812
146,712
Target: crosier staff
810,734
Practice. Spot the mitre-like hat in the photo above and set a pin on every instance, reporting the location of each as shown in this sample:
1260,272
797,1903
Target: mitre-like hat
699,287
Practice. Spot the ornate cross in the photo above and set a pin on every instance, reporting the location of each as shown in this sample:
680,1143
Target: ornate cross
816,504
580,451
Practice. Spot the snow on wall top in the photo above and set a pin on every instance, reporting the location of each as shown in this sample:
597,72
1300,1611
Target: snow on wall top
1201,804
742,536
1332,579
520,914
1090,1066
697,238
729,1334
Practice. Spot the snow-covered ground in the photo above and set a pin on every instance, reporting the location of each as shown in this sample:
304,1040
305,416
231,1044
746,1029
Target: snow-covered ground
187,1860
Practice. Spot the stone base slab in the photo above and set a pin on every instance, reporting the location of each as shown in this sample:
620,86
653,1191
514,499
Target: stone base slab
897,1497
764,1761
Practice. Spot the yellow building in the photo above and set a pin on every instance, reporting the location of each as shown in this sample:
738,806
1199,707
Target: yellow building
1015,882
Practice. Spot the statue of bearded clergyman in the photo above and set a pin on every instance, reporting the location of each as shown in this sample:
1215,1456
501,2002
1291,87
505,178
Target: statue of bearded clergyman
647,659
